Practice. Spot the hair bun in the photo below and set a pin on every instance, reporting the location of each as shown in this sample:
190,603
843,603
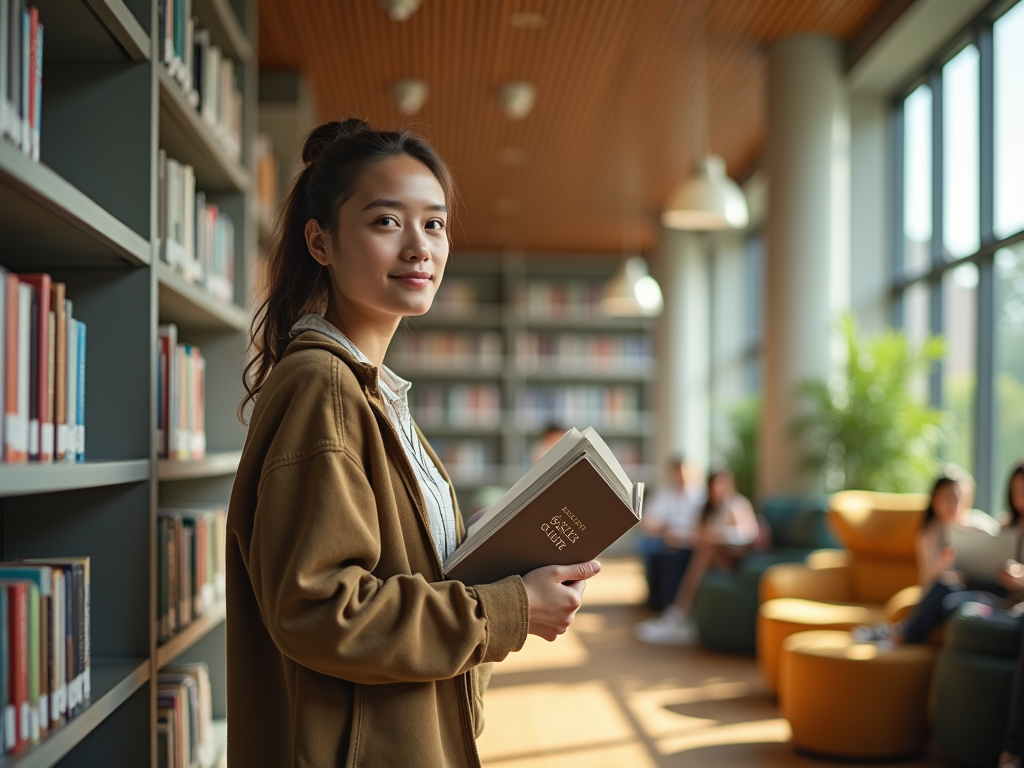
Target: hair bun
322,137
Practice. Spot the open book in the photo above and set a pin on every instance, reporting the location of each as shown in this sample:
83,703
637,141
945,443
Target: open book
568,508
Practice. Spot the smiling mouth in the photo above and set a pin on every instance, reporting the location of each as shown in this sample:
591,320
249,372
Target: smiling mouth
415,279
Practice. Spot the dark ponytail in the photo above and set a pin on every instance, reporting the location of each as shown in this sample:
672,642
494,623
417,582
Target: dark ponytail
334,155
929,514
1014,513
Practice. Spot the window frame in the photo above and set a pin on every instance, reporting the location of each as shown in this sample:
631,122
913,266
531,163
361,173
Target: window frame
980,33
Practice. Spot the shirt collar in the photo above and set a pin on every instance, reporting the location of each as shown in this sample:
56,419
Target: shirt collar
393,385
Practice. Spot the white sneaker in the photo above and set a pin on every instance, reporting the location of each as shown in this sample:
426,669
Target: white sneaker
673,627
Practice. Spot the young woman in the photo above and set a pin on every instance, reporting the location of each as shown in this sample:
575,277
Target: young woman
944,589
728,530
1012,579
346,645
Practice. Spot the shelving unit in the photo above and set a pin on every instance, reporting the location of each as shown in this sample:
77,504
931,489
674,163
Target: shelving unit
498,283
86,213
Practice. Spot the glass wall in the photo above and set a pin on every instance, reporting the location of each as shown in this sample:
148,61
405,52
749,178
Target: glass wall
960,265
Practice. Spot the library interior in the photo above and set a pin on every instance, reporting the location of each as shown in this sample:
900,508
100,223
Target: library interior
771,251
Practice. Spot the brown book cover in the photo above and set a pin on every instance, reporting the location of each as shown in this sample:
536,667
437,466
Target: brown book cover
572,520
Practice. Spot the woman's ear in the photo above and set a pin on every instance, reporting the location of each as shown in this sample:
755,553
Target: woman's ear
316,242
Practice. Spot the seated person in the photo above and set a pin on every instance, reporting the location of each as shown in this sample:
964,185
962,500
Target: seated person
668,530
727,533
944,588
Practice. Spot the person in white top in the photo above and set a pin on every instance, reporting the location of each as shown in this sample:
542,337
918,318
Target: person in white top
728,531
668,531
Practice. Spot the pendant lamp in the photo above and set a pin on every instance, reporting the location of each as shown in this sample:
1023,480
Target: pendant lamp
708,200
632,292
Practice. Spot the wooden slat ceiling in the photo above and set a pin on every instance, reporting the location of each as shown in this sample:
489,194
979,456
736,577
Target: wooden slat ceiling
619,116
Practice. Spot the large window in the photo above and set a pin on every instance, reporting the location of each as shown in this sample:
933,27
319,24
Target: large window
960,262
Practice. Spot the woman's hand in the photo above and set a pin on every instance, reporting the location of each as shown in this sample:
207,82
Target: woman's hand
947,556
1012,576
556,593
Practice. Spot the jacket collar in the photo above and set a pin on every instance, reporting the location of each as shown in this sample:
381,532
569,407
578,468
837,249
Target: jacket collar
366,373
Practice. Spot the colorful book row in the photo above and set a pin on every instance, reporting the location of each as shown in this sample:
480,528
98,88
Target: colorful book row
463,405
207,77
574,352
578,406
190,561
184,720
45,658
444,350
42,371
181,398
21,75
197,239
560,299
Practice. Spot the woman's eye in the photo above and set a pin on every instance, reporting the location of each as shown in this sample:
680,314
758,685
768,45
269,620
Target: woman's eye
435,224
387,221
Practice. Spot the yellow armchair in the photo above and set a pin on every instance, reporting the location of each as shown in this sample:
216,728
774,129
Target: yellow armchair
839,589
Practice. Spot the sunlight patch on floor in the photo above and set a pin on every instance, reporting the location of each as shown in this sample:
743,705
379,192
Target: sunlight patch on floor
553,717
620,582
565,652
623,756
757,732
650,707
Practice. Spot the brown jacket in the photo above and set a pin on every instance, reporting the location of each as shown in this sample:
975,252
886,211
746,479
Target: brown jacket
345,644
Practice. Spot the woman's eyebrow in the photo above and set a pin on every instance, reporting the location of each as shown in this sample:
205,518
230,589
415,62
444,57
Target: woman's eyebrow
384,202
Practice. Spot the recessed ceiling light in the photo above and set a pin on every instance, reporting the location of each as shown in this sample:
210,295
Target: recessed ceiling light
511,156
517,98
527,20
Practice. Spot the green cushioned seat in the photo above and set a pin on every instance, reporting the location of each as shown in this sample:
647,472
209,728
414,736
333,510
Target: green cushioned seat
725,609
973,679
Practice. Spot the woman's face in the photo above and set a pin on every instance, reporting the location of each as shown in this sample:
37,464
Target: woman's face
390,245
1017,492
720,489
946,503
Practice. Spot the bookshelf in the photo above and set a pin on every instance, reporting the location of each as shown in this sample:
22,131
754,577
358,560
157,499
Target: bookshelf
551,356
87,213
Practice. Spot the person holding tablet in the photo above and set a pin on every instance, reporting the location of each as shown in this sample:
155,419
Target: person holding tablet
345,643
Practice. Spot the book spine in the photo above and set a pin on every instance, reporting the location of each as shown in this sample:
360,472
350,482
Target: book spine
48,447
40,420
17,719
4,95
5,669
71,376
29,82
3,348
23,90
57,291
80,408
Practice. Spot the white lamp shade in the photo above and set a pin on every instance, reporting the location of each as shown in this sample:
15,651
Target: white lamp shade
401,10
707,200
409,95
632,292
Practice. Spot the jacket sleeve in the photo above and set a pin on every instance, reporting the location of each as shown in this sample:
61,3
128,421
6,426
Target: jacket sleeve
313,545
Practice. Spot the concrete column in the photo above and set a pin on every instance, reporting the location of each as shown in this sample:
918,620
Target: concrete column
807,275
683,344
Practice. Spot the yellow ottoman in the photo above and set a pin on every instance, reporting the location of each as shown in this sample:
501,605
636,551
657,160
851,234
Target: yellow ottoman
855,700
784,616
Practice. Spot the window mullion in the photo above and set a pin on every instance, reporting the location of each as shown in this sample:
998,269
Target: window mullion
937,257
984,401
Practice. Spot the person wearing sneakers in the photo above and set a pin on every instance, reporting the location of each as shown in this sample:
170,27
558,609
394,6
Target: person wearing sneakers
727,533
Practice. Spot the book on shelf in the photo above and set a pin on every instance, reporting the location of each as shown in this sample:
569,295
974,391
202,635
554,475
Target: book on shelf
196,238
446,350
21,75
207,78
181,398
191,569
42,371
44,652
185,717
583,353
461,405
560,299
568,508
615,407
267,187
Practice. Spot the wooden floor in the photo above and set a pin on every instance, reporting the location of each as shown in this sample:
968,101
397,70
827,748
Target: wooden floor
597,698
